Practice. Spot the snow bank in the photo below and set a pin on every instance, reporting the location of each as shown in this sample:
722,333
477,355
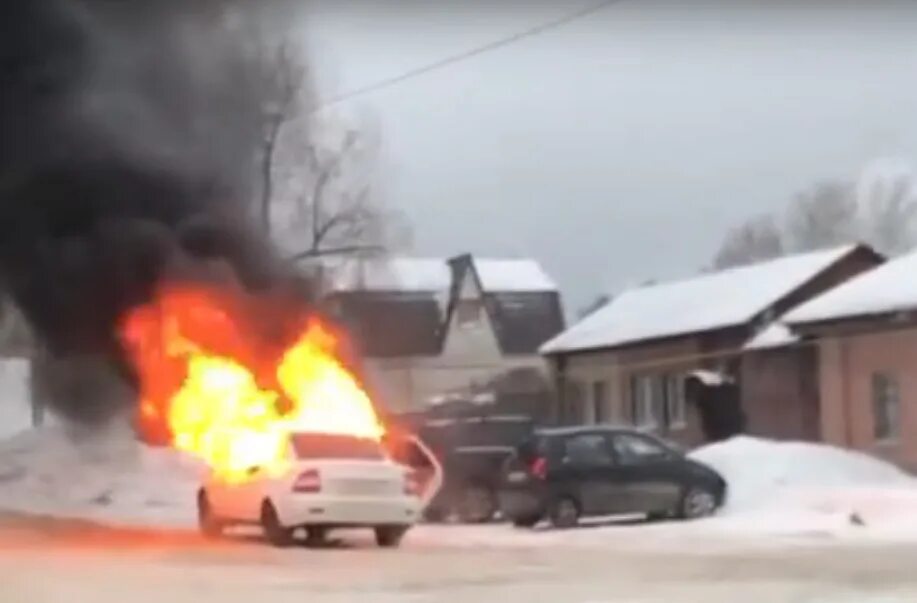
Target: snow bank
15,397
787,487
58,470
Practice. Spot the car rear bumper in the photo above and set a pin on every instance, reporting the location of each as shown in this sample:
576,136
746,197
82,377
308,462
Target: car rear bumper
349,511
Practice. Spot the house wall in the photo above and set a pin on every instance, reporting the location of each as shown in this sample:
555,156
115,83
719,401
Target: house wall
780,393
779,388
846,368
616,368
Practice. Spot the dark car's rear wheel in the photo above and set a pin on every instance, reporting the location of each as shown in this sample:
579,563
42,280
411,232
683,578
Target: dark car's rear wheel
697,503
477,504
390,536
275,533
209,525
526,521
565,513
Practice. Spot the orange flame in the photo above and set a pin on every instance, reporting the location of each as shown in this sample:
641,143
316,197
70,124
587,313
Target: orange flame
226,395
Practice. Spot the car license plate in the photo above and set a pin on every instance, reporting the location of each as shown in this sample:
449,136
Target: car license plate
517,477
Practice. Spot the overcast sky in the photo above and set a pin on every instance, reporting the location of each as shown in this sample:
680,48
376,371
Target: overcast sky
619,147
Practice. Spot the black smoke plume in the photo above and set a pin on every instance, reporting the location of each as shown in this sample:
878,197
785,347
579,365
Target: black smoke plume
127,138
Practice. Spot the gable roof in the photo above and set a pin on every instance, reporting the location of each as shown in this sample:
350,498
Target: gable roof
888,288
433,275
520,300
707,302
512,275
388,274
386,326
398,306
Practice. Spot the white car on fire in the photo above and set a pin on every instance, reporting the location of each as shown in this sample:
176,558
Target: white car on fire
332,481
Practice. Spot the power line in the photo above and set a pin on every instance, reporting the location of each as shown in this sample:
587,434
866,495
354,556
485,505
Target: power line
468,54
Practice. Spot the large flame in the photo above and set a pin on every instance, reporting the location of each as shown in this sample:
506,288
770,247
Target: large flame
225,393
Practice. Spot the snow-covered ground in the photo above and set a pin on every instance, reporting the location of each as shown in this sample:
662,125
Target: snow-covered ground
776,490
104,476
785,535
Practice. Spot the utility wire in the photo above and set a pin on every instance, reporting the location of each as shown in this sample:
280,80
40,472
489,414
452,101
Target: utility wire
468,54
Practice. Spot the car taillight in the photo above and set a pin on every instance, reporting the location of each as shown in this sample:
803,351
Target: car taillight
539,467
411,484
309,481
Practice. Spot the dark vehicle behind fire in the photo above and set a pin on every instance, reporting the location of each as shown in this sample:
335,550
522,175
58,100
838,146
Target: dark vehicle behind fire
472,449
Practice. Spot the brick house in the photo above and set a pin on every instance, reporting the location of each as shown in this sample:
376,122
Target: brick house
426,328
629,361
865,332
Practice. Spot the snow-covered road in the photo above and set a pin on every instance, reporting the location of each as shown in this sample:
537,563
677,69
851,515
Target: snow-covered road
38,569
803,523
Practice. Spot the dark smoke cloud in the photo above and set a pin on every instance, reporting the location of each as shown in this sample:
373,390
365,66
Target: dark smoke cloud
127,138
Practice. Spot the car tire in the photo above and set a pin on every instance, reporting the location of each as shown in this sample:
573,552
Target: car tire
565,513
275,533
390,537
209,525
655,516
478,504
526,521
697,503
316,536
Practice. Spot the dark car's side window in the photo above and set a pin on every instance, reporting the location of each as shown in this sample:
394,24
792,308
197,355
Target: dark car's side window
588,449
635,450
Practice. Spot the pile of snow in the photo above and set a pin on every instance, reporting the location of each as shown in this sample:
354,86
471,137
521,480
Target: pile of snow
784,486
16,402
60,471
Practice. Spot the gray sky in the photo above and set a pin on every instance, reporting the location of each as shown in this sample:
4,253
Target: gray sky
620,147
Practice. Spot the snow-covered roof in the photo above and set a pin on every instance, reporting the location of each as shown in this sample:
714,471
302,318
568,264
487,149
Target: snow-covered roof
389,274
709,301
890,287
513,275
433,275
776,335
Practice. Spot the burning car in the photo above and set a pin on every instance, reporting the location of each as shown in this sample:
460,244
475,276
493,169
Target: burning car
290,436
330,481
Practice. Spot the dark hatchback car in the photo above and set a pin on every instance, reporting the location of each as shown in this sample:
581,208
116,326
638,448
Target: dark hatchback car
564,474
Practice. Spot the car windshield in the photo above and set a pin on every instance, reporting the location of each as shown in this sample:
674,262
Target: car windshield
328,446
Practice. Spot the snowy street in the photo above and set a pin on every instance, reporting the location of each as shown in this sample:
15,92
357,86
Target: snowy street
431,568
803,523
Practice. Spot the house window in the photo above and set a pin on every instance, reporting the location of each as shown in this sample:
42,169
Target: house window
675,415
600,402
886,406
643,407
468,312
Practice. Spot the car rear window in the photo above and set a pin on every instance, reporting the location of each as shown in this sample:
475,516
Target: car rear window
326,446
531,449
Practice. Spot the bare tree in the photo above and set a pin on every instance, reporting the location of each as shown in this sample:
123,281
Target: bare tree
315,194
823,216
889,205
755,240
330,200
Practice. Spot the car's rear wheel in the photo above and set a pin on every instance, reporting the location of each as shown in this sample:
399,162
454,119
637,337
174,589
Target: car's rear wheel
565,513
275,533
697,503
209,525
478,504
316,535
526,521
390,537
